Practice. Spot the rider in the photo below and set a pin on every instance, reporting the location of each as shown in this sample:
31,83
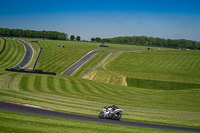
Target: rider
114,107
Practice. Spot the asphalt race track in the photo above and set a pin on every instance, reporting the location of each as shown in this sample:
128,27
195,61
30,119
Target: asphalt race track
6,106
69,71
28,56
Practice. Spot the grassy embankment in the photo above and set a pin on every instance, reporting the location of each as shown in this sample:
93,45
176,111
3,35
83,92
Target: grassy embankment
12,55
80,96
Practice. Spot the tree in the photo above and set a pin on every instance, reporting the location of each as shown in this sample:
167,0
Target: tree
93,39
78,38
98,39
72,37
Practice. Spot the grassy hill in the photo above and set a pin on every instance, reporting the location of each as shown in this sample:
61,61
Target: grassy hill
88,97
167,67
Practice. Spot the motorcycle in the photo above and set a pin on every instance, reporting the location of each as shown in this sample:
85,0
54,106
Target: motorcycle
111,112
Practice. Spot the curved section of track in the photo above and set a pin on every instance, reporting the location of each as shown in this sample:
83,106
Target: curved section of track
69,71
6,106
28,55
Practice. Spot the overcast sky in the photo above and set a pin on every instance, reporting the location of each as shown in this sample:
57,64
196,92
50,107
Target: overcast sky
175,19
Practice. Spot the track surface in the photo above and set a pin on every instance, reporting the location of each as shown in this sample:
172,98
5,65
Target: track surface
69,71
42,112
29,53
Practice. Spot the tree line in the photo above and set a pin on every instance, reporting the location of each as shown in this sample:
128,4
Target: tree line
33,34
151,41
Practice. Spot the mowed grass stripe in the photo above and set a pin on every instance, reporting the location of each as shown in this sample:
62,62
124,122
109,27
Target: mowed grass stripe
57,85
74,88
99,89
63,85
44,84
89,88
50,83
30,85
37,83
68,86
111,90
24,83
94,89
82,89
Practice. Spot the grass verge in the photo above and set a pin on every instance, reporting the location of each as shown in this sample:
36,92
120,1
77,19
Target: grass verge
22,123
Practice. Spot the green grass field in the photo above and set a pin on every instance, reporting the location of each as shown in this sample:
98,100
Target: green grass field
148,103
182,68
22,123
176,65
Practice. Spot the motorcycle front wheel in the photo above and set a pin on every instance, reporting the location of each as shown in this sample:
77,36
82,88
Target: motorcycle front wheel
101,115
117,116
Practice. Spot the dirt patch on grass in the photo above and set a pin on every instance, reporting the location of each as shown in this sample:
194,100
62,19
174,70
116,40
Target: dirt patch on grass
124,81
91,75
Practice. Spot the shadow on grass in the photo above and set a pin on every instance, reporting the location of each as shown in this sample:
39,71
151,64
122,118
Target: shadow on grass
160,85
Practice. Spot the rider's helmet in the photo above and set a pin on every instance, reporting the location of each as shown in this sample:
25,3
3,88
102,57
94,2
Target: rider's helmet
113,107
